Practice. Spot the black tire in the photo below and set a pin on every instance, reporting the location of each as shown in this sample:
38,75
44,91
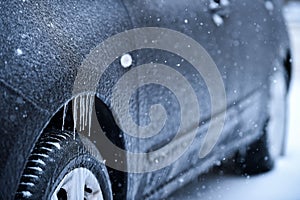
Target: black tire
256,158
55,155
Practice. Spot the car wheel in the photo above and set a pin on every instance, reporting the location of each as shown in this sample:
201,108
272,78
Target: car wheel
63,166
259,156
255,158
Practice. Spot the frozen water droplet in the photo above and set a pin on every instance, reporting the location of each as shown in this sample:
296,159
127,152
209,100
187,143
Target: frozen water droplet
158,19
126,60
269,5
20,100
218,20
181,180
236,43
266,158
218,163
19,52
186,21
12,117
241,134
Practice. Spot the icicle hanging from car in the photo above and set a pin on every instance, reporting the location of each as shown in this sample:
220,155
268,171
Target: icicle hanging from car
64,117
82,112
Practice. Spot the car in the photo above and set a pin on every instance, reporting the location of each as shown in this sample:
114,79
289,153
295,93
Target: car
131,100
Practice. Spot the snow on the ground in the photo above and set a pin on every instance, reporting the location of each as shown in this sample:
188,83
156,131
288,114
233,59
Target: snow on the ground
282,183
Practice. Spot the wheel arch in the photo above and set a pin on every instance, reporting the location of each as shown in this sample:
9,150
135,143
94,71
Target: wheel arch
106,120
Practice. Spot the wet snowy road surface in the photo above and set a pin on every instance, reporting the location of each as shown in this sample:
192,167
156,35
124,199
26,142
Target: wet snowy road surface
283,182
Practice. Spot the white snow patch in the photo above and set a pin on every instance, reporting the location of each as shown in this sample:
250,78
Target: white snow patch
36,168
31,176
57,145
26,194
39,161
40,154
27,183
47,149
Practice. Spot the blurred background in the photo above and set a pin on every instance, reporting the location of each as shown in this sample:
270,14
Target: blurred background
283,182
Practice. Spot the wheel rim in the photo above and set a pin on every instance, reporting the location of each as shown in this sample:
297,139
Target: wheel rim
80,184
